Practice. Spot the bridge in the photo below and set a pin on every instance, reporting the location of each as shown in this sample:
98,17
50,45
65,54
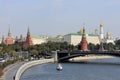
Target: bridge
66,55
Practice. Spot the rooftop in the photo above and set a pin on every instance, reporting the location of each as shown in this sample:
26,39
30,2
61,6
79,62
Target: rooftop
80,34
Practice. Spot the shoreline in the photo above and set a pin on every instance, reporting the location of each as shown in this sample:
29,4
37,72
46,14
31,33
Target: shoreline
27,65
91,57
94,63
94,60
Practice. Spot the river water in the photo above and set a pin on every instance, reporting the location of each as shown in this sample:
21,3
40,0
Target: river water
102,69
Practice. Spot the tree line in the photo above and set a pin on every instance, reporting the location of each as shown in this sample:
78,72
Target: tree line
36,50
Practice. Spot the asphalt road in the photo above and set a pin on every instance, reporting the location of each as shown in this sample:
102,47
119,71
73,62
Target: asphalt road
10,71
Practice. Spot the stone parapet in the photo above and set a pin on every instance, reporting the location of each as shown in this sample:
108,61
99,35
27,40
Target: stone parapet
27,65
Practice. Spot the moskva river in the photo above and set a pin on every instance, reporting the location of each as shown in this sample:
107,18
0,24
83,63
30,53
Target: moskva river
102,69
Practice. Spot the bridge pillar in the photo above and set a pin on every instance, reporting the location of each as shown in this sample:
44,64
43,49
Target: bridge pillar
55,56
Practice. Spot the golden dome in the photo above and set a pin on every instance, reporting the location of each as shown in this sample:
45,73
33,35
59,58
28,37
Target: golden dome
101,25
108,34
81,30
96,31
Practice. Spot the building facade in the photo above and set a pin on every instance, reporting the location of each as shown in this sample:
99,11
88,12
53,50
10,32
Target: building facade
83,43
28,42
75,38
9,40
38,39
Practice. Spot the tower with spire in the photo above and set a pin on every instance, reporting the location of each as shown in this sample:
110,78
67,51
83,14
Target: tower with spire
28,41
9,40
3,40
83,43
9,33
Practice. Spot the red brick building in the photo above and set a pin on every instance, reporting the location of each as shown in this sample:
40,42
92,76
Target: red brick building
9,40
20,40
3,40
28,42
84,44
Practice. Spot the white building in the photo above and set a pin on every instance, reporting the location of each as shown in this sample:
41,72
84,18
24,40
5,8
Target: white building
108,38
75,38
38,40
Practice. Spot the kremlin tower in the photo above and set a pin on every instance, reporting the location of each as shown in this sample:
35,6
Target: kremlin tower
9,40
28,41
83,44
3,40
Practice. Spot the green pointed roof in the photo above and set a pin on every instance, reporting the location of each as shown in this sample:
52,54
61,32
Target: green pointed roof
83,31
28,32
9,30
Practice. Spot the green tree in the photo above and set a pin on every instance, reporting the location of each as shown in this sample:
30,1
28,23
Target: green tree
34,53
91,46
117,44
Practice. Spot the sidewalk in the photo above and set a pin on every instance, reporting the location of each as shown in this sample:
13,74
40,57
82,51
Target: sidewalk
10,71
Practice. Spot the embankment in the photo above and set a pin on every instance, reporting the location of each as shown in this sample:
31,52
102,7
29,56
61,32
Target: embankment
30,64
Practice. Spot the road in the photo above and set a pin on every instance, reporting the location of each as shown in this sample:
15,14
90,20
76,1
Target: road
11,70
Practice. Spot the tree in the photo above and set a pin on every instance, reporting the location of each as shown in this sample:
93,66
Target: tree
117,44
111,46
1,50
91,46
34,53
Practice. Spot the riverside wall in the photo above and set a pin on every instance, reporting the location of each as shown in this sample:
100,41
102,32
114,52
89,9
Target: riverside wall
30,64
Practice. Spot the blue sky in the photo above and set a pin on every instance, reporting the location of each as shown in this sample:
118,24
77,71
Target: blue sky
52,17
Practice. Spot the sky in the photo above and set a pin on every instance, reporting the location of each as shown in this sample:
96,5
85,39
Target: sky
53,17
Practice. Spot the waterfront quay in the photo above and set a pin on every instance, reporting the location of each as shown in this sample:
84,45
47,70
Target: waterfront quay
27,65
19,72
